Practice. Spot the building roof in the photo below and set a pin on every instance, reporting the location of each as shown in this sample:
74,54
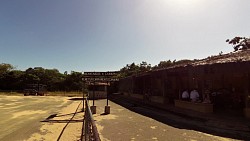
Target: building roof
239,56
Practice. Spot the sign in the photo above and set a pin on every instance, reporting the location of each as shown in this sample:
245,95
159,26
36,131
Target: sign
100,79
109,73
100,76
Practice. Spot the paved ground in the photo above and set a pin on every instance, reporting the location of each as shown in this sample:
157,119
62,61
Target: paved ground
21,116
21,120
126,125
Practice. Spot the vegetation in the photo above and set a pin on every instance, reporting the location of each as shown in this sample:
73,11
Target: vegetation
239,43
11,79
16,80
133,69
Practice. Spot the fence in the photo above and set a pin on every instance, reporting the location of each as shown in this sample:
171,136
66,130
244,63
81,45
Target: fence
90,129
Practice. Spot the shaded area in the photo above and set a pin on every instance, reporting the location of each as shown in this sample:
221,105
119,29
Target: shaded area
181,120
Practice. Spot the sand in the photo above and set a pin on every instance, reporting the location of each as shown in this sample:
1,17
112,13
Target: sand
53,127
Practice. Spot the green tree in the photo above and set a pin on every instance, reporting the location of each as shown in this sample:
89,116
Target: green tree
53,79
239,43
73,81
5,68
163,64
144,66
13,80
133,69
50,77
128,70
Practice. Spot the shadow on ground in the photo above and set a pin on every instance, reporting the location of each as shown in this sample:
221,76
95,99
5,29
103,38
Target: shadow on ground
52,120
76,99
197,124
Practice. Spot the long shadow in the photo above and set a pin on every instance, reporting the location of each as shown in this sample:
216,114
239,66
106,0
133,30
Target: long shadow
56,115
50,119
158,115
62,121
76,99
68,114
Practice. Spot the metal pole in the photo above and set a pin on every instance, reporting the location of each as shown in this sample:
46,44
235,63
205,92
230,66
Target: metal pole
94,92
107,93
83,97
94,98
86,123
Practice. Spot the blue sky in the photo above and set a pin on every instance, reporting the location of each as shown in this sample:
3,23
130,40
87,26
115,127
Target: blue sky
105,35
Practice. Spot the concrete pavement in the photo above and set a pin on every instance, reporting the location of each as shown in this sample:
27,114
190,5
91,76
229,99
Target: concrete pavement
139,123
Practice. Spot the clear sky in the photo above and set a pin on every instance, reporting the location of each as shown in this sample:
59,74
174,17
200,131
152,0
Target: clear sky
105,35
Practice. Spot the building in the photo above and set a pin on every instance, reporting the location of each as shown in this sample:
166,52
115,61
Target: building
224,79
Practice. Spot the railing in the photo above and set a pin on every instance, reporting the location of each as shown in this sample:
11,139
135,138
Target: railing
90,129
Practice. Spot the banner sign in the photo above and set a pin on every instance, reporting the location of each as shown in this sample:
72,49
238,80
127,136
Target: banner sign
100,76
109,73
101,79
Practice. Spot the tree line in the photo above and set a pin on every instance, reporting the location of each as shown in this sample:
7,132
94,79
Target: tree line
133,69
11,79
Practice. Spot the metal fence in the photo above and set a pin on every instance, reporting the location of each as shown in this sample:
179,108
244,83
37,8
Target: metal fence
90,129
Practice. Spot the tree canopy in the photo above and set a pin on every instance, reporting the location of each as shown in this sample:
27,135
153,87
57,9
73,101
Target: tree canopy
11,79
239,43
133,69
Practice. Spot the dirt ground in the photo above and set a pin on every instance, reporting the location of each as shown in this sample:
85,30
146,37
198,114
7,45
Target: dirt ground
35,118
62,126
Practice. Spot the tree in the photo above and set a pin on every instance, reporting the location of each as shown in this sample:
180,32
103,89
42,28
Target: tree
144,66
239,43
13,80
5,68
73,81
133,69
50,77
53,79
163,64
